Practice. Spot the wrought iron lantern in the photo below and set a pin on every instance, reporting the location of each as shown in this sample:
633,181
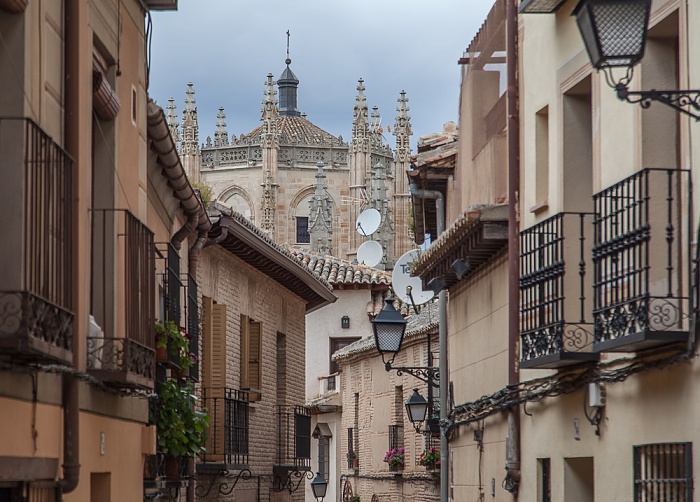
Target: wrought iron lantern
416,409
389,327
319,486
614,31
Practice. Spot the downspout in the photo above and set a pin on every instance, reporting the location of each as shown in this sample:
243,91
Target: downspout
513,471
70,386
442,336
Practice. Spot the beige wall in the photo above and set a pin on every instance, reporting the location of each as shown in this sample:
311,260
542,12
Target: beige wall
653,406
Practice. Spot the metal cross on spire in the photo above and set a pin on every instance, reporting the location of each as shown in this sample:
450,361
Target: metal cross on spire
288,59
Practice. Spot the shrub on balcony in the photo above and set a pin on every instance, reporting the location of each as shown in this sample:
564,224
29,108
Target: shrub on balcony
169,335
396,458
429,457
181,427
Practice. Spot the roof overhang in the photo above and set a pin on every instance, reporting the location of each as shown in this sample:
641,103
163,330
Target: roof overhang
478,235
242,239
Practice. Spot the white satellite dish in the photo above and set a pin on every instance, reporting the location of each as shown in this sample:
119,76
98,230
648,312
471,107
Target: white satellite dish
401,280
368,222
370,253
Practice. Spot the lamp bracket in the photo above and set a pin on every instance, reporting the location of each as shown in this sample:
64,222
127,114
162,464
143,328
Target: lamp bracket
224,480
685,101
427,374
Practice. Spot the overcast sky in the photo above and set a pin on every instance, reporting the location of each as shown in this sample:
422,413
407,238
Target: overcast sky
227,48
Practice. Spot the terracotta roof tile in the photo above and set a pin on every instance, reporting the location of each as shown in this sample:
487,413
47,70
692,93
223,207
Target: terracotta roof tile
338,271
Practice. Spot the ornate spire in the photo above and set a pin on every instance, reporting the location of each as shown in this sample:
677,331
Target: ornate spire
360,111
380,202
288,84
320,215
220,136
375,127
269,203
270,114
190,126
189,144
171,118
402,130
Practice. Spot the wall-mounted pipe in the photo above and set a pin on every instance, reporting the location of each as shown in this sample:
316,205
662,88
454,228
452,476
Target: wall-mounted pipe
442,335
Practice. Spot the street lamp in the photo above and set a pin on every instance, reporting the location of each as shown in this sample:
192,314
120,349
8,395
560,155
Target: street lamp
389,327
416,409
614,33
319,486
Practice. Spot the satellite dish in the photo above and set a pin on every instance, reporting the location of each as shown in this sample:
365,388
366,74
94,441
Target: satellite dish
370,253
401,280
368,222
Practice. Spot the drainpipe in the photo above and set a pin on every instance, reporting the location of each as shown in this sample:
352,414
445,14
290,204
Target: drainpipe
513,127
70,390
442,335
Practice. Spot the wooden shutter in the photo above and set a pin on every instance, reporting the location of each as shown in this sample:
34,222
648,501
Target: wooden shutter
245,351
255,355
214,344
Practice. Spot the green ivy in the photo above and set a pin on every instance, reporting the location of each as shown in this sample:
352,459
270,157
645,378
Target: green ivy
181,427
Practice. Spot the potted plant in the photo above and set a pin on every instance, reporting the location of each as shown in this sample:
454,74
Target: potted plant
181,427
396,458
356,498
353,461
430,458
166,333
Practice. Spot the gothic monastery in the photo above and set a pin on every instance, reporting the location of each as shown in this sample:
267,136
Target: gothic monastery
300,184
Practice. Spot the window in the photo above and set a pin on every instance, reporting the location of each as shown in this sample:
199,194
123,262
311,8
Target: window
544,480
324,456
541,160
303,230
251,356
335,345
663,472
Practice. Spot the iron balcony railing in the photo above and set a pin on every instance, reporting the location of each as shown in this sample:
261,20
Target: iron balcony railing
556,325
396,442
294,437
229,426
123,299
36,301
641,261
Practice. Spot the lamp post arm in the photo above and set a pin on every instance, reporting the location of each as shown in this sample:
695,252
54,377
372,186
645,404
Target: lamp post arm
427,374
685,101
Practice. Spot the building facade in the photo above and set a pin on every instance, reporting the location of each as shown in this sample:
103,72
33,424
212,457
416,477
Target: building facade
82,278
374,418
597,173
360,290
299,183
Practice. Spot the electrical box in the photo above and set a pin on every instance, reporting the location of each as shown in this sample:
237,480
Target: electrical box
596,395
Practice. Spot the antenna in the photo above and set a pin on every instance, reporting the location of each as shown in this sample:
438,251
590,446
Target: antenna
407,288
370,253
368,222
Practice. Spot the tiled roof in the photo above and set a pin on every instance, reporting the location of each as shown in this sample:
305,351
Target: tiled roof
468,219
294,130
338,271
418,324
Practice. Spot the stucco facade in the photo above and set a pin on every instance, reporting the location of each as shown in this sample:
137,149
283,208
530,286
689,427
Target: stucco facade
579,142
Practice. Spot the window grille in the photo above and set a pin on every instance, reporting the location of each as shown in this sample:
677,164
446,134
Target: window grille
303,230
663,472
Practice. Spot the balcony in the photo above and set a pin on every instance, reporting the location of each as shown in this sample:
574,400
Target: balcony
353,453
293,446
556,326
396,436
641,261
123,300
227,440
36,321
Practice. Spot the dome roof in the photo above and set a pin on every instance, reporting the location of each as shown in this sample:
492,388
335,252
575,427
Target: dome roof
296,130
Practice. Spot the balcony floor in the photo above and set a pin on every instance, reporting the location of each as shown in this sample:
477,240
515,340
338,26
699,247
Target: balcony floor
641,341
560,360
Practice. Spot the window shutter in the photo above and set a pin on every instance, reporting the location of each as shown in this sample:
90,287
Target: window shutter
245,351
218,350
255,355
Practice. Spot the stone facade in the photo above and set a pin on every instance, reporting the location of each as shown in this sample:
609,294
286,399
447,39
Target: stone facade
270,174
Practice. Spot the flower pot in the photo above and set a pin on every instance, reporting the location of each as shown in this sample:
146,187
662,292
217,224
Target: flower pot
433,467
162,355
355,463
172,468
